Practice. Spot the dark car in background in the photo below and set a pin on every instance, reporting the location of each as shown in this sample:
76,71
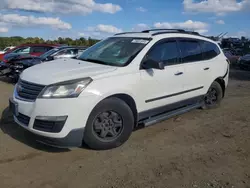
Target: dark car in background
19,62
31,49
232,56
16,64
244,62
232,43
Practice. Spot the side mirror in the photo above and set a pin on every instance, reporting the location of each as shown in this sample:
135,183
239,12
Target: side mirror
151,64
50,58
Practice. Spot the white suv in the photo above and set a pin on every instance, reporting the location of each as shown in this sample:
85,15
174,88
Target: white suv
127,80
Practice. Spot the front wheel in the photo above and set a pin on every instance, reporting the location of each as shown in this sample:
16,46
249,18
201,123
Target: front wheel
213,97
109,125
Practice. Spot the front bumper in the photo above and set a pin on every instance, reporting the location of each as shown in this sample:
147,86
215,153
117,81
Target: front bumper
4,69
76,110
73,139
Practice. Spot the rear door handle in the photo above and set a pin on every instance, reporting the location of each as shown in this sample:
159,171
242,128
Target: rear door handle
207,68
178,73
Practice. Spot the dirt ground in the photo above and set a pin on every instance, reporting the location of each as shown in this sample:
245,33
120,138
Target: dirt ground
201,149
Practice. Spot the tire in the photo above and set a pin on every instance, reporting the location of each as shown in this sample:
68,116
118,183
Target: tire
213,97
111,116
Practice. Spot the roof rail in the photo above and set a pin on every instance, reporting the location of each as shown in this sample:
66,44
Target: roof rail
165,31
178,30
126,33
184,32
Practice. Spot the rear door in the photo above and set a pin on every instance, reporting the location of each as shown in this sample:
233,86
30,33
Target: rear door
200,60
162,87
197,71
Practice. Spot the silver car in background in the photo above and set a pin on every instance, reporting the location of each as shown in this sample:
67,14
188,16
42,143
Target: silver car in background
62,52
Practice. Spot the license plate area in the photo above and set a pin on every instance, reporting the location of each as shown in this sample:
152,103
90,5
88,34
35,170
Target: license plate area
13,106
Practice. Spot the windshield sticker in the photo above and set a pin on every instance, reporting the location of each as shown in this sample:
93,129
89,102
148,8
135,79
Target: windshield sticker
140,41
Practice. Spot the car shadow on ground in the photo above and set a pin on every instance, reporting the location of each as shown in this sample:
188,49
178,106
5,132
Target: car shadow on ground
7,80
238,74
9,127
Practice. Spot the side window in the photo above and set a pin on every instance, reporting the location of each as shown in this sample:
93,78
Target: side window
62,52
75,51
190,50
23,50
38,49
210,50
48,48
71,52
165,52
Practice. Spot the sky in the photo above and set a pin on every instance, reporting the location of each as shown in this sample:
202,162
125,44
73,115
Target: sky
51,19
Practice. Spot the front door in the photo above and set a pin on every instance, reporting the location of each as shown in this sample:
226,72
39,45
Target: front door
162,87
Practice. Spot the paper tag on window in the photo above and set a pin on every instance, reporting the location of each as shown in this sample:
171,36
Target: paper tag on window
140,41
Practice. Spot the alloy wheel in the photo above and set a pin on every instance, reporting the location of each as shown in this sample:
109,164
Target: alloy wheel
211,97
107,126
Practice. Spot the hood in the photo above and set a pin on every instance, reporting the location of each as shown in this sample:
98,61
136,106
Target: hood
16,56
27,62
246,57
63,70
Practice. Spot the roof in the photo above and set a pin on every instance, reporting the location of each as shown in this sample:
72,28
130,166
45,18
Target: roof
156,32
53,45
44,45
75,47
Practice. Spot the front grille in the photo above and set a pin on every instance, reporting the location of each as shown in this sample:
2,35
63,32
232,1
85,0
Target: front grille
27,90
48,126
23,119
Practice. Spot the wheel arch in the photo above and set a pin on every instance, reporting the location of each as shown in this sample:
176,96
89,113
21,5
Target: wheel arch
222,83
130,102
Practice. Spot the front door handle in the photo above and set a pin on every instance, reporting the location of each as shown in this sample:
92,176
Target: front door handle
207,68
178,73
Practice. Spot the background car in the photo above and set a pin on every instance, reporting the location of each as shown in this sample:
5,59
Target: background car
244,62
19,62
6,49
232,42
231,56
16,65
62,52
32,49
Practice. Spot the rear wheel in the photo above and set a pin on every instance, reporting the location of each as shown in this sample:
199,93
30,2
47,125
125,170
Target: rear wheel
109,125
213,97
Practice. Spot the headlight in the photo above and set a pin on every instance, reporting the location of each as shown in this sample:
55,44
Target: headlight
68,89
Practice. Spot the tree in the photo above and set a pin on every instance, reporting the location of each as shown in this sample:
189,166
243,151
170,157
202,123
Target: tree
17,40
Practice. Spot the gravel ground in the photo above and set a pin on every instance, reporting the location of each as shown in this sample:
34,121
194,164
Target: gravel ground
202,149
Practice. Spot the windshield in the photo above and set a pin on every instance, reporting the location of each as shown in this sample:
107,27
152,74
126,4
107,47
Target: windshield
116,51
6,49
49,53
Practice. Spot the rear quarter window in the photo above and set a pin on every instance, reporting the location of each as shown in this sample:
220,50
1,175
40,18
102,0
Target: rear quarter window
39,49
210,50
190,51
